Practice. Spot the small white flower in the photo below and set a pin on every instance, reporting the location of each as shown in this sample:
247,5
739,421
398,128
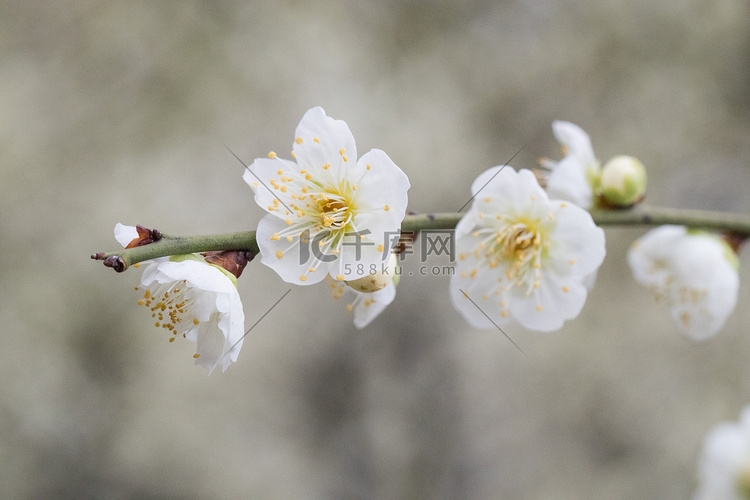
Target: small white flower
696,273
316,204
575,178
724,465
193,299
521,255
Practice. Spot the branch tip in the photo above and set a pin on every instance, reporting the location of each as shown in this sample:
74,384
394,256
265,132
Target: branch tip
115,262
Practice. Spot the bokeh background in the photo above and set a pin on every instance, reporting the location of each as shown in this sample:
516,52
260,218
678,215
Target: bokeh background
121,111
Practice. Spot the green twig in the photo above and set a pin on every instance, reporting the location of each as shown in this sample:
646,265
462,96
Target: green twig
640,216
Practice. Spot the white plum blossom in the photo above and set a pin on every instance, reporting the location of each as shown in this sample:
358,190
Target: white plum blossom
695,273
724,464
328,213
521,255
190,298
576,177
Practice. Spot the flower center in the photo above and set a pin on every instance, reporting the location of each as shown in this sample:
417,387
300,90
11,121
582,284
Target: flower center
170,304
334,210
520,247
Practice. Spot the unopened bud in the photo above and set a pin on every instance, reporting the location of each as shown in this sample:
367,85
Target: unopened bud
623,181
378,279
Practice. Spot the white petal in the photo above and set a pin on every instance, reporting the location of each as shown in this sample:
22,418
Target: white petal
201,275
725,455
473,293
575,140
333,137
296,258
125,234
502,190
378,301
579,244
706,290
549,306
649,255
359,257
259,175
381,198
567,181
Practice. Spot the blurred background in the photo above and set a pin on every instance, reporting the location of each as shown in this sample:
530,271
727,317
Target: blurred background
121,111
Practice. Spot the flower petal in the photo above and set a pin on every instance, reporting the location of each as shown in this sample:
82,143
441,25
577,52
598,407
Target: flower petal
381,196
580,244
321,140
549,306
567,181
125,234
292,260
577,142
369,305
263,178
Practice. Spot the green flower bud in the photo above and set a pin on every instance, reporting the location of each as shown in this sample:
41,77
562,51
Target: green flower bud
623,181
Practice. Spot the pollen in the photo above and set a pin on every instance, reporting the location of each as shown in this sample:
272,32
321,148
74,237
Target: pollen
326,166
572,261
316,140
308,177
303,278
342,151
196,355
289,222
386,208
487,200
298,140
275,237
563,205
195,321
344,158
312,270
279,172
340,277
380,248
279,254
349,307
368,166
272,154
539,307
565,289
290,238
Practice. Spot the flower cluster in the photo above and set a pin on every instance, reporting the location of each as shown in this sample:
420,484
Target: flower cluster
526,253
